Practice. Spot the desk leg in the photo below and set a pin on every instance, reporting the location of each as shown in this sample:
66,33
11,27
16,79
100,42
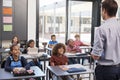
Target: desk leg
90,62
50,53
89,76
78,76
43,78
0,58
44,64
57,78
47,73
94,78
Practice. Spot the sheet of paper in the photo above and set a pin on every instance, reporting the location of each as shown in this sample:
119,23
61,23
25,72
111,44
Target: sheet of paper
7,3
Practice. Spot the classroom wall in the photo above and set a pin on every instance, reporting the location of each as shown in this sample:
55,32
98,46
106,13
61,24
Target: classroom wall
24,21
20,18
32,19
13,19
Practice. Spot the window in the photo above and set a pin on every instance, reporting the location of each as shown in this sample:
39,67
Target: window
58,19
86,21
49,19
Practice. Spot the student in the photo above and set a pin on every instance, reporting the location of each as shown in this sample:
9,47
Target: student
106,49
15,40
58,58
71,48
52,42
15,61
31,44
77,41
35,62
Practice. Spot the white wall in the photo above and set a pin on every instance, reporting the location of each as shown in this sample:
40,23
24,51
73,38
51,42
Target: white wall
31,19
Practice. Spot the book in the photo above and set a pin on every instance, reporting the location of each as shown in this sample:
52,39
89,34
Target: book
72,70
24,73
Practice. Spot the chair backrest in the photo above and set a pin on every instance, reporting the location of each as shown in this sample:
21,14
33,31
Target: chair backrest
23,44
3,64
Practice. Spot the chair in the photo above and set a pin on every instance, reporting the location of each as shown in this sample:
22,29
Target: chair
23,43
3,64
44,44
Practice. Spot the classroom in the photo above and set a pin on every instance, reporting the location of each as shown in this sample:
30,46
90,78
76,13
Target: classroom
59,39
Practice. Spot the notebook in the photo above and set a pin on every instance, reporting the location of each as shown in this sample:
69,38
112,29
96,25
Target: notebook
32,51
72,70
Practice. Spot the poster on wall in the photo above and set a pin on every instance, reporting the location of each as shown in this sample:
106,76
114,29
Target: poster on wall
7,28
7,3
7,19
7,11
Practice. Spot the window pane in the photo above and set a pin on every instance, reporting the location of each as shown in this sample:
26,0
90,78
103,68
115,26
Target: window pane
52,20
81,16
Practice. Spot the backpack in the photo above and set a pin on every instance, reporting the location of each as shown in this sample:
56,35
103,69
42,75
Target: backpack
3,64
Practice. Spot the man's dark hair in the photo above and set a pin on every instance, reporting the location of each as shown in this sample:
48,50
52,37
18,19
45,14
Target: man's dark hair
110,6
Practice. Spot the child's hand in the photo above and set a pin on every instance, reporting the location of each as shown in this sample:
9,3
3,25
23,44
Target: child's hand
16,70
19,70
63,68
30,71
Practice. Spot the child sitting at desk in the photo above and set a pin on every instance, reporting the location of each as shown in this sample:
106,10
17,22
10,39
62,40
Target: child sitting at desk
71,48
52,42
14,61
15,40
77,41
58,59
35,62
